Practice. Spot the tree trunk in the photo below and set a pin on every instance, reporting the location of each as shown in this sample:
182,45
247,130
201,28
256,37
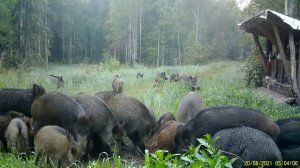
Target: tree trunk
157,61
293,67
178,37
140,42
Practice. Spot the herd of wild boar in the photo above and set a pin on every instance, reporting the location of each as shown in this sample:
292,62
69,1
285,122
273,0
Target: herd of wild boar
66,128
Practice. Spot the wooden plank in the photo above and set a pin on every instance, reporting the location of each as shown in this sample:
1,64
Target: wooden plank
282,54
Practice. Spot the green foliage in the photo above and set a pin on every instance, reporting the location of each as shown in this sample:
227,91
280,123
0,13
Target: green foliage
161,159
253,69
110,61
204,155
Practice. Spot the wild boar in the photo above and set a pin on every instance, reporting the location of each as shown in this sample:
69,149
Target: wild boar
19,99
190,105
174,77
211,120
117,84
104,129
164,137
249,145
288,140
139,75
57,80
57,144
16,135
56,108
135,118
5,119
160,78
189,81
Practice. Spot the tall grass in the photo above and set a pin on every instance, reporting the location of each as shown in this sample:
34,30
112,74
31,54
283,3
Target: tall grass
221,84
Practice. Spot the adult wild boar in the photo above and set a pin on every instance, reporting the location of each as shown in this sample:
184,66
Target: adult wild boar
288,140
56,108
105,128
16,135
211,120
135,118
57,80
174,77
165,117
5,119
139,75
189,81
249,144
190,105
160,78
57,144
117,84
19,99
164,137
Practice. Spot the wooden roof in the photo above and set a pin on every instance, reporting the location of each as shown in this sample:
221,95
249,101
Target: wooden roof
264,21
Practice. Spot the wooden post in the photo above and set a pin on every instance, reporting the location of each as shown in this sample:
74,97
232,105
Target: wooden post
260,52
282,54
293,67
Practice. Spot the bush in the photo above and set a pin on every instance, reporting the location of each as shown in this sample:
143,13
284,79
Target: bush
110,61
253,69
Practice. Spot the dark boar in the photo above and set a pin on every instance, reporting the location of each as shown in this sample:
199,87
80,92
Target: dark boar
190,105
288,140
134,117
248,144
165,117
174,77
160,78
211,120
189,81
5,119
57,144
139,75
117,84
59,109
16,135
105,128
19,99
105,95
58,80
164,137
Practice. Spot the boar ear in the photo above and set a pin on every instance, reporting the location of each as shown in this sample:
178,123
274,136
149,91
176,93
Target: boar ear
37,90
74,151
117,131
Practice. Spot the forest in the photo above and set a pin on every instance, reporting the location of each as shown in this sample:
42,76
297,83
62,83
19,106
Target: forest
154,33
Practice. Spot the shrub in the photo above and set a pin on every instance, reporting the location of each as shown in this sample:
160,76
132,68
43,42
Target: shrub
110,61
253,69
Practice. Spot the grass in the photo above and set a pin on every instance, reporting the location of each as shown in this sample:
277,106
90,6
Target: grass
221,84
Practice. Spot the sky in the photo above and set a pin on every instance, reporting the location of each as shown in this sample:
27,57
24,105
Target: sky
243,3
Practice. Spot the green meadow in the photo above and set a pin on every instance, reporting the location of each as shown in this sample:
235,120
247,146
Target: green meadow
221,84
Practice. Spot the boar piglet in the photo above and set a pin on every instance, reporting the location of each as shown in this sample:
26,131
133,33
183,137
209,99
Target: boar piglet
16,135
57,144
